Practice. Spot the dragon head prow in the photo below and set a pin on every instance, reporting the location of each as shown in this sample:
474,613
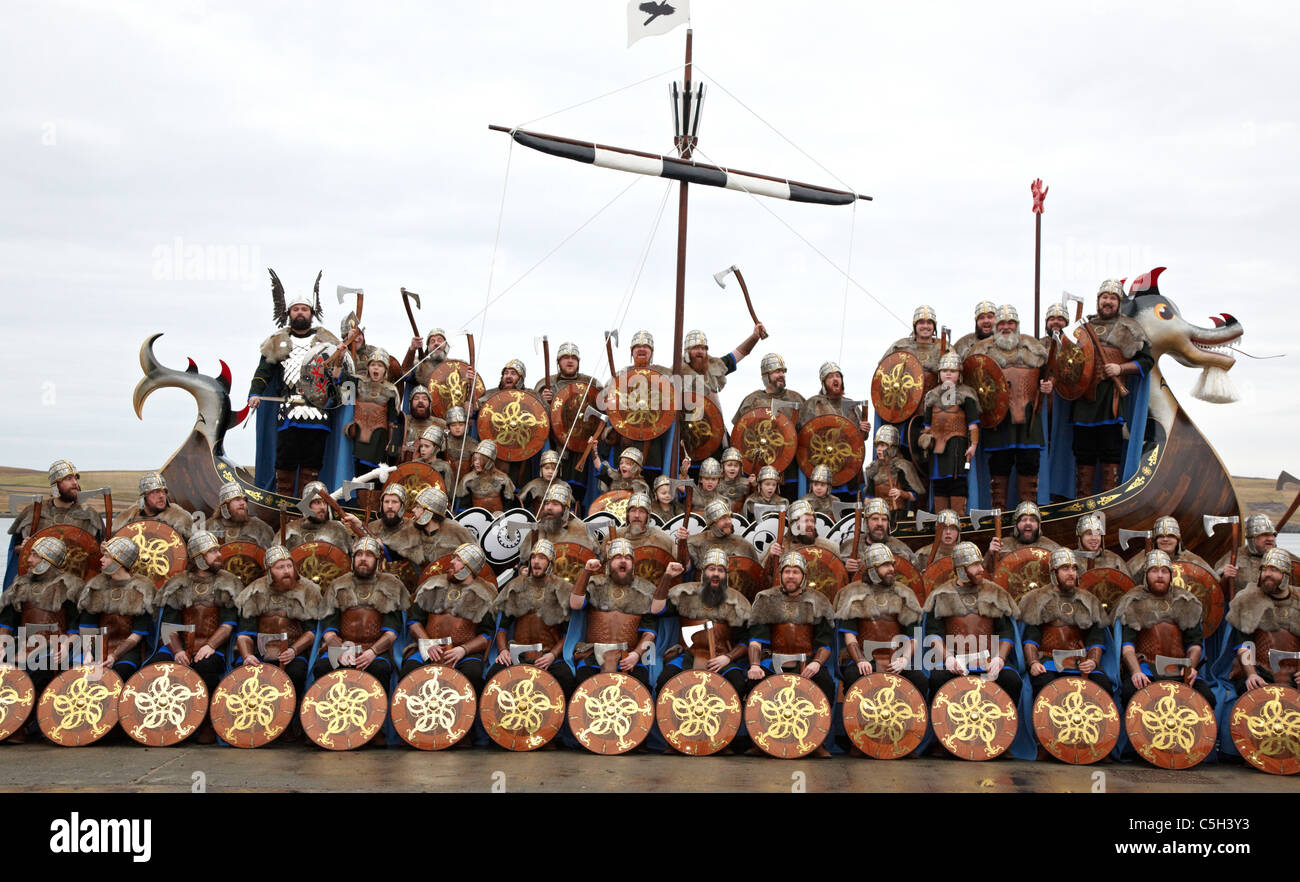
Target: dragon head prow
211,394
1190,345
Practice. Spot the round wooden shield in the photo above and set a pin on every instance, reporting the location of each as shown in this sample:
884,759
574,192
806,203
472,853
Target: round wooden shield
935,575
833,441
570,558
1076,720
449,386
973,718
787,716
162,550
162,704
703,429
614,502
83,551
344,709
650,561
764,439
414,477
522,707
1265,726
433,707
1023,570
1107,584
1170,725
406,571
79,707
611,713
826,572
1205,585
17,696
698,712
244,560
568,425
642,403
984,375
252,705
885,715
909,575
517,420
443,565
897,386
745,575
321,562
1075,365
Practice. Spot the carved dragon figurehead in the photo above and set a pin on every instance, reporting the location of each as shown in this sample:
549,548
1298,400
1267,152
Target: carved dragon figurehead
211,394
1189,344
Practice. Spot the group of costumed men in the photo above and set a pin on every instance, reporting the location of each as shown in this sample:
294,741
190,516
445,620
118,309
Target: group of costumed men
461,618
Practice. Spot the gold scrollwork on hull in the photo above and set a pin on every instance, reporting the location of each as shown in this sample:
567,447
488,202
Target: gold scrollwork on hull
523,706
345,707
254,704
763,443
83,704
830,449
513,426
788,715
1078,720
1170,726
1275,728
434,706
974,718
885,717
163,703
895,386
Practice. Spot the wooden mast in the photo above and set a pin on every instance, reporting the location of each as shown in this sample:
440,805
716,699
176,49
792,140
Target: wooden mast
685,144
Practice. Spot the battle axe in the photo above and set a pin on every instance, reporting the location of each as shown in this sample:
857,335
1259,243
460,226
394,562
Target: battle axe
590,414
1282,480
1066,297
407,297
1126,536
343,291
1211,522
721,278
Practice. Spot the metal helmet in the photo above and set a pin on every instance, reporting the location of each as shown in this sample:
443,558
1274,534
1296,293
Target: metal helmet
1061,557
821,473
887,434
488,449
368,543
313,489
1157,558
1007,313
1111,286
518,368
1166,526
1057,310
767,473
878,553
559,492
568,349
710,468
643,338
826,370
963,556
348,323
544,547
229,490
549,457
201,542
151,481
985,306
794,559
620,547
923,312
798,509
950,361
122,551
1278,558
947,518
663,481
274,555
731,454
437,332
379,355
435,434
434,502
693,339
771,362
715,557
420,390
52,553
716,510
472,557
455,415
634,454
60,469
1090,523
1259,525
1028,508
395,490
875,505
638,500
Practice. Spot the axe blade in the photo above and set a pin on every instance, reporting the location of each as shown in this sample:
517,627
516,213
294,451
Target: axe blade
344,290
842,508
537,341
612,335
721,276
1127,536
1286,478
1067,298
411,295
979,514
925,517
678,483
346,491
1212,522
592,414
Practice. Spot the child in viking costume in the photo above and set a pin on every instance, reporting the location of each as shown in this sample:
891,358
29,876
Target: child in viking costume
374,414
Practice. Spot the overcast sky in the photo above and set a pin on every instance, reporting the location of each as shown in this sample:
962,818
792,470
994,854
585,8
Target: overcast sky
353,138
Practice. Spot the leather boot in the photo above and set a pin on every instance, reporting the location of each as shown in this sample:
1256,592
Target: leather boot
1027,488
305,477
1109,475
1084,476
284,482
998,490
958,504
941,502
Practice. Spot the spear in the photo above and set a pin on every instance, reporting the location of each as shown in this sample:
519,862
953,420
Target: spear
1040,194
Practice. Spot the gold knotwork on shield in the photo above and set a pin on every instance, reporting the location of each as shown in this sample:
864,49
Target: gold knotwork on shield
1273,730
885,716
831,449
611,712
154,561
320,570
1078,720
700,713
455,390
343,707
255,704
85,703
523,706
974,718
513,425
164,702
433,707
1070,364
1169,725
787,715
896,385
763,442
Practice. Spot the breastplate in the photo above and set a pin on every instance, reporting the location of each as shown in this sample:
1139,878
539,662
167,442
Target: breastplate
792,639
369,416
34,615
1162,638
116,629
272,623
1282,640
968,625
361,624
700,640
612,627
1059,635
460,630
529,628
1024,388
880,630
947,422
205,619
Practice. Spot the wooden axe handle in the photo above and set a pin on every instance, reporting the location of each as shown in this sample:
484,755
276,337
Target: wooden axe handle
108,514
546,360
1225,583
410,315
857,532
338,510
36,520
749,304
609,352
1290,511
682,556
581,465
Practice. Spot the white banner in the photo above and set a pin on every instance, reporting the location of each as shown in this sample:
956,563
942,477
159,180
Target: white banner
649,18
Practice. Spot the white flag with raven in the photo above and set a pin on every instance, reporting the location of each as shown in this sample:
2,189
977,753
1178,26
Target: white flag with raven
649,18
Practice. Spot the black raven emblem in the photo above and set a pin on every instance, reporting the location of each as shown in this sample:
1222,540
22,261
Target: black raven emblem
655,10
